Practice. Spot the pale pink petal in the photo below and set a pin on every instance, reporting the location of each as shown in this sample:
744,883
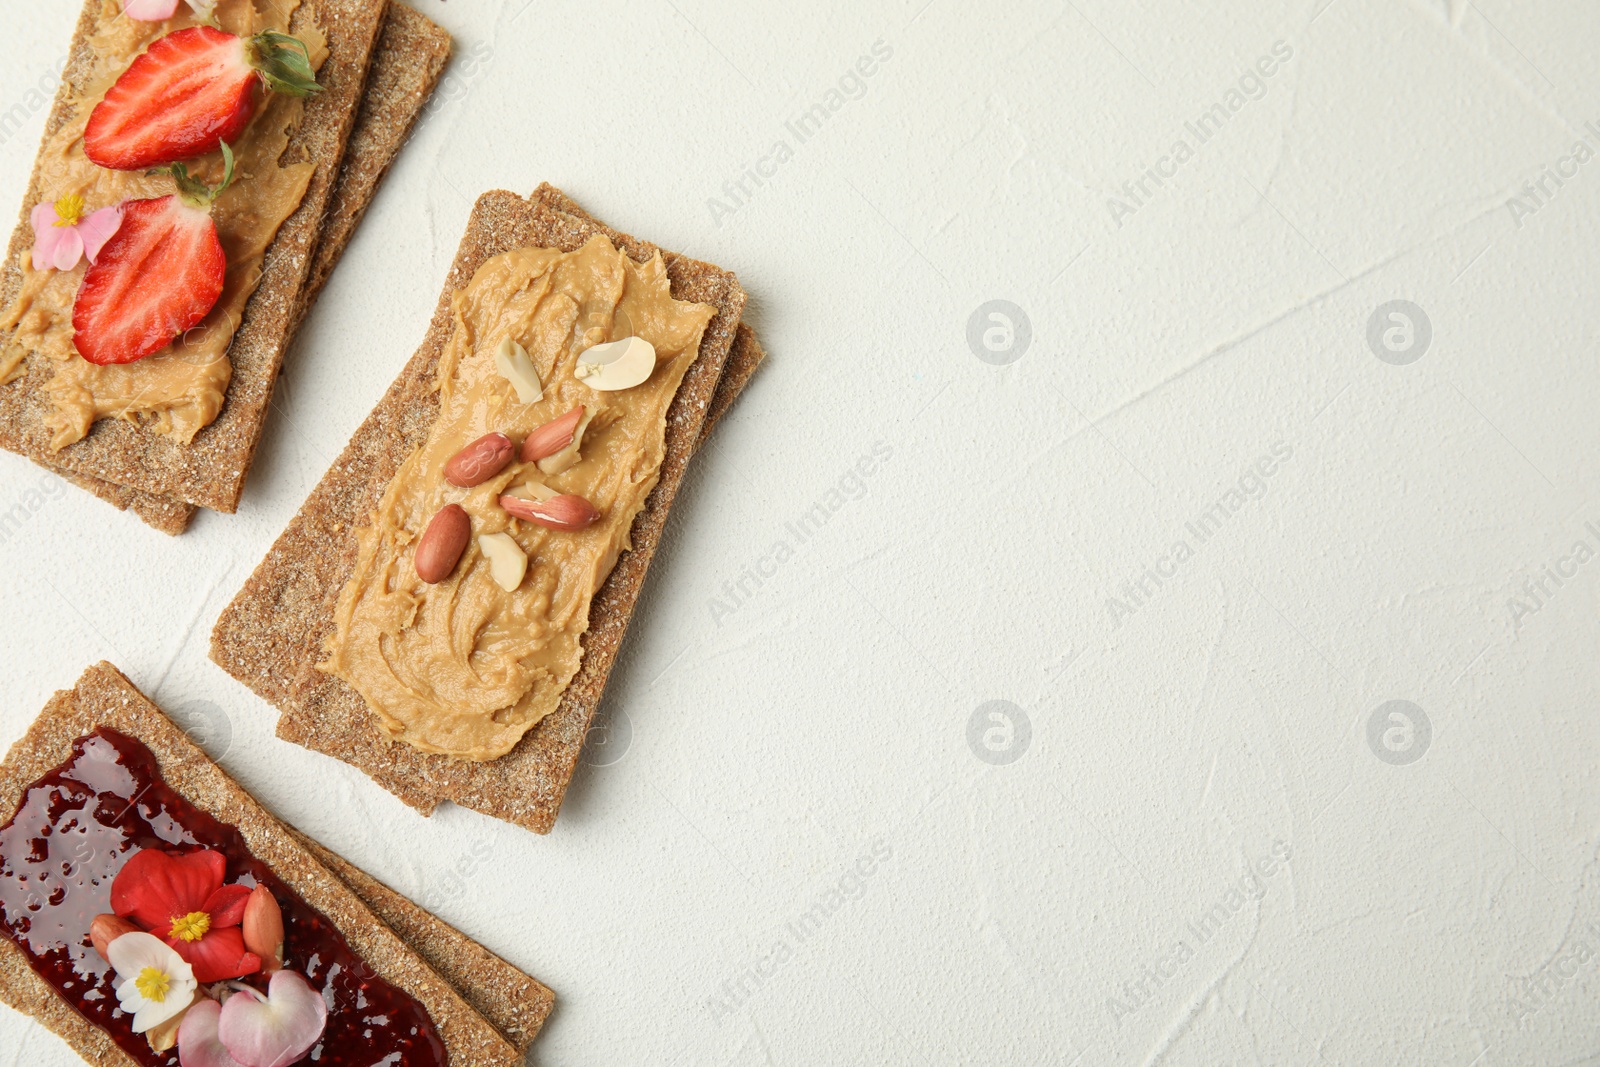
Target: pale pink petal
198,1043
46,235
97,228
277,1030
149,10
53,245
69,248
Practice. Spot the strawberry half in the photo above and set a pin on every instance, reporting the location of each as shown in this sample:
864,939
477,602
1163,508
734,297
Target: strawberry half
189,92
159,275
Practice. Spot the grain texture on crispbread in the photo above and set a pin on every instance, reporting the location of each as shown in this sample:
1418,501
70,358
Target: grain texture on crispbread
516,1004
103,697
257,639
158,512
743,360
276,627
210,470
410,55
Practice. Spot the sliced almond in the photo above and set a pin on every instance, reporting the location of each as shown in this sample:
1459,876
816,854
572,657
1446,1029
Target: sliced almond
512,361
617,364
163,1036
568,456
533,490
508,564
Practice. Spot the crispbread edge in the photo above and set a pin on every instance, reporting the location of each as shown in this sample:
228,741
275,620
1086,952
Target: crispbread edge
104,697
744,357
406,64
210,471
515,1003
301,577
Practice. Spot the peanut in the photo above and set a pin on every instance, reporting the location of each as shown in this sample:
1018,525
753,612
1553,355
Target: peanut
565,512
442,544
479,461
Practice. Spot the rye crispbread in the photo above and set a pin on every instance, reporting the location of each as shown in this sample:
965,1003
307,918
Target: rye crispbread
406,65
411,55
271,636
743,359
210,470
516,1004
104,697
263,622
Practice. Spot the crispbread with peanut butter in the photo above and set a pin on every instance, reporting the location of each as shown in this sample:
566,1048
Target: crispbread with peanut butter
406,65
274,630
263,617
103,697
744,358
210,470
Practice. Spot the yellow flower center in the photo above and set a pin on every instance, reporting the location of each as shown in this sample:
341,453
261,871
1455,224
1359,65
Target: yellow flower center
153,984
191,927
69,209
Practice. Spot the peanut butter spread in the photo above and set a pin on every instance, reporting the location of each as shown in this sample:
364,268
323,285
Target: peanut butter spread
463,667
180,389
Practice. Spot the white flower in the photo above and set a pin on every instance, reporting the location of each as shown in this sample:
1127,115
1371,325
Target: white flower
153,982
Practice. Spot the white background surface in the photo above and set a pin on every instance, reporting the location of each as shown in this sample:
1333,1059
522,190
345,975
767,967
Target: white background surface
827,714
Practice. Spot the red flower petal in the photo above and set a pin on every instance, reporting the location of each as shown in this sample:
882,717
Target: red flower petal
217,956
226,906
154,887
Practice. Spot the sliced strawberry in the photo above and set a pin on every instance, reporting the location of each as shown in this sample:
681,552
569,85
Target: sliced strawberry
160,274
190,92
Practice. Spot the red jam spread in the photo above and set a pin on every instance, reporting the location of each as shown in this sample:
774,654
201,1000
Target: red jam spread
72,833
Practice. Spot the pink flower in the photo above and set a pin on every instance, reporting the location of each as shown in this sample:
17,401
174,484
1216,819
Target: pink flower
161,10
63,234
149,10
250,1029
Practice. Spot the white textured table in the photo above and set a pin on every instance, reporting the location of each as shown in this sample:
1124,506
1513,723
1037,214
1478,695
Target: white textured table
1198,505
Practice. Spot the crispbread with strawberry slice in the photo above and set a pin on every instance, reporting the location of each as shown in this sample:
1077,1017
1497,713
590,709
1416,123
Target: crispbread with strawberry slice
210,470
406,65
271,636
190,93
393,938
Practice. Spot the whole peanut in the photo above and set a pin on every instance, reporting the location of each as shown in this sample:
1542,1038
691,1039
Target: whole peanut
479,461
442,544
